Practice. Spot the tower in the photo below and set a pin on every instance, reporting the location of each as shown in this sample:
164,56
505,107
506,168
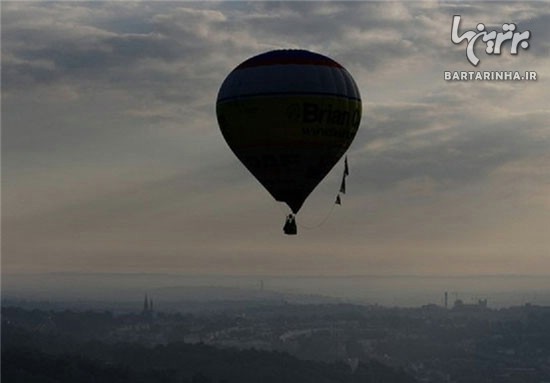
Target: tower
147,313
146,304
446,299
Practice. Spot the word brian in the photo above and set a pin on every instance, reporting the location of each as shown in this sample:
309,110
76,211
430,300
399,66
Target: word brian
493,40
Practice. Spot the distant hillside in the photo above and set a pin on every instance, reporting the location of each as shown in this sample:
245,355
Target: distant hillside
223,293
33,357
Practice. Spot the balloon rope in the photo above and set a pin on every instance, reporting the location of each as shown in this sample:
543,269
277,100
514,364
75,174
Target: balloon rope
321,223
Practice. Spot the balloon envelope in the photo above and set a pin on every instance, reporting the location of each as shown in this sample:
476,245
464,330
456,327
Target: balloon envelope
289,116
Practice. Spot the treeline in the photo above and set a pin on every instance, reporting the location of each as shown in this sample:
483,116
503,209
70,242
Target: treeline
35,356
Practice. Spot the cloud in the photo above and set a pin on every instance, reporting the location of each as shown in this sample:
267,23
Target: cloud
111,146
443,142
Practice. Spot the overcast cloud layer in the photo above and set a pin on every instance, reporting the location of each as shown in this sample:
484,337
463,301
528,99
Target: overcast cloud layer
112,159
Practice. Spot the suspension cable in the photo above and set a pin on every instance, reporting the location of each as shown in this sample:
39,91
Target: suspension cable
321,223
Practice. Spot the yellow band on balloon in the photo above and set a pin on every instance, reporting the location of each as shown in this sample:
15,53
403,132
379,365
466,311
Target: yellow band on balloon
311,120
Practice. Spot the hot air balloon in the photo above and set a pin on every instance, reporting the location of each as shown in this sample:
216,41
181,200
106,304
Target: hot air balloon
289,116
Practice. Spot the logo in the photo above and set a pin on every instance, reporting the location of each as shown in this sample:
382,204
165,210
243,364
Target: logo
314,113
493,40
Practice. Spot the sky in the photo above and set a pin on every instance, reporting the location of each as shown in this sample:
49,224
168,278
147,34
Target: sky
112,159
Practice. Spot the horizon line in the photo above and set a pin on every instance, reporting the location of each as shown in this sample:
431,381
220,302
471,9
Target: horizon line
230,275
